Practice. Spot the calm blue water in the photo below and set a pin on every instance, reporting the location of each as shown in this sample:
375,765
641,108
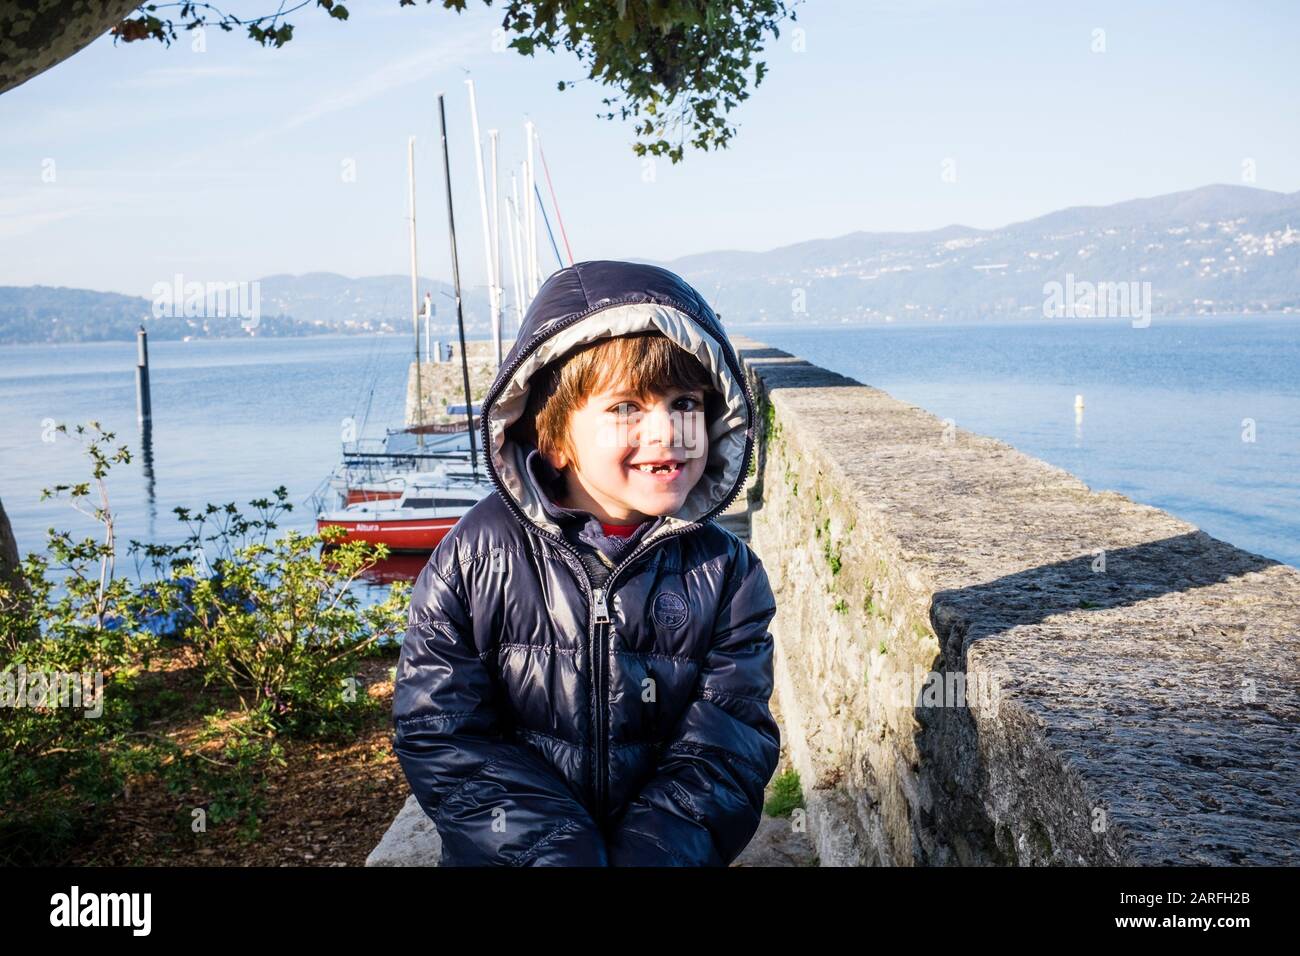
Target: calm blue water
233,419
1164,405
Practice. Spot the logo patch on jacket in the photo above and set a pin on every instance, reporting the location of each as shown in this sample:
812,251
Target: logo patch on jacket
668,610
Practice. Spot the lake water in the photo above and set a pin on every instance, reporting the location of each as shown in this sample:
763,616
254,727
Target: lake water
235,418
232,419
1163,415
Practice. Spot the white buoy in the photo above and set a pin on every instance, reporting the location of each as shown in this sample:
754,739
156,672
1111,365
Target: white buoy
1078,403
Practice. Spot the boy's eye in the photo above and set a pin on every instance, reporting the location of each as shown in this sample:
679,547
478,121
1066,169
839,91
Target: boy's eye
685,403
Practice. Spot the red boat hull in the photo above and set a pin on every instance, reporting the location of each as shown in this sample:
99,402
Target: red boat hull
358,495
408,534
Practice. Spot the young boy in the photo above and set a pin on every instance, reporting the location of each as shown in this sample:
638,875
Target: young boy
586,675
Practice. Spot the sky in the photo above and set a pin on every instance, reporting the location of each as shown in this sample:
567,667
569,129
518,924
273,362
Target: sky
126,165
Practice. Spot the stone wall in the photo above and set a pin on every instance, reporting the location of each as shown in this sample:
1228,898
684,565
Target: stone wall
1131,683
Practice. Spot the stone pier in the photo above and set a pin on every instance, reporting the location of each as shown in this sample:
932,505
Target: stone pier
982,661
443,383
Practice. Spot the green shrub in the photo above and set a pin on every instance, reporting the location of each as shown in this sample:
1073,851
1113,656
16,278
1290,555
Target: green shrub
274,623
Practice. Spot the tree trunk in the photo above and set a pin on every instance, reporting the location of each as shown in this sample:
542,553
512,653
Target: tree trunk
37,35
11,578
8,547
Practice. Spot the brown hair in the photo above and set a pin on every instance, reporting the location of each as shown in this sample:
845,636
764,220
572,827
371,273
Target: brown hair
646,363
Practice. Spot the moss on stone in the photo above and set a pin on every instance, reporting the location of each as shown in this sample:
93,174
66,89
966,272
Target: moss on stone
786,795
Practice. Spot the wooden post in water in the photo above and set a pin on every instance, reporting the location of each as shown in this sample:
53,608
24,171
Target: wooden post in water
455,278
144,415
143,406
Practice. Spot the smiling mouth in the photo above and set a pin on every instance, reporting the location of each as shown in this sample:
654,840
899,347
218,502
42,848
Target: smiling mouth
664,469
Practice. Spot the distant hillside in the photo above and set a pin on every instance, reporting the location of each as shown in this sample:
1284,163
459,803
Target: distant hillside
313,304
1217,249
45,314
56,314
345,304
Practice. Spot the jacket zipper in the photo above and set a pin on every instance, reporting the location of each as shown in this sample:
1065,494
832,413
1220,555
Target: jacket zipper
598,597
601,628
600,658
600,620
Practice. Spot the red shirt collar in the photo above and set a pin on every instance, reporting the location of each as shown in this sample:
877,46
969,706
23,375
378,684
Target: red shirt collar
619,530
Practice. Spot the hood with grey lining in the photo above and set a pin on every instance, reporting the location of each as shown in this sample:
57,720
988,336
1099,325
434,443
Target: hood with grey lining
604,298
520,693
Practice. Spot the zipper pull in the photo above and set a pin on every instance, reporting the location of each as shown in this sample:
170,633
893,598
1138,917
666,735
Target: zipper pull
602,610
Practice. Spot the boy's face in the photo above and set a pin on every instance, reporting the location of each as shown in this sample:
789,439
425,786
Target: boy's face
614,433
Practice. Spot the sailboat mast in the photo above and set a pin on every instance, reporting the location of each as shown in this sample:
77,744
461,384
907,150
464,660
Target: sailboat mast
512,235
455,278
487,229
415,296
521,222
530,214
499,312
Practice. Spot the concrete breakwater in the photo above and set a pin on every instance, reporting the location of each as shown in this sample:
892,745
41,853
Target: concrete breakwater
443,383
981,661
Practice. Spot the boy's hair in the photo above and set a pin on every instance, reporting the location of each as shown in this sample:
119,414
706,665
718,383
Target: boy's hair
645,362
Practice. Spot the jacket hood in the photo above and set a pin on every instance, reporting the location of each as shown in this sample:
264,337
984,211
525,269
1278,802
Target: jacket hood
600,299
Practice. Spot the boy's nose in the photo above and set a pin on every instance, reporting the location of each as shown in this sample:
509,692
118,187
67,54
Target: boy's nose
657,427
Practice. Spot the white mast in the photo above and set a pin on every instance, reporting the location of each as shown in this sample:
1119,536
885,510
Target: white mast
483,216
530,213
510,239
415,292
498,289
516,247
521,233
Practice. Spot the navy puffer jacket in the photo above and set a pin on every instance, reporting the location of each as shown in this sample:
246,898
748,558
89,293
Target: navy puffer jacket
544,719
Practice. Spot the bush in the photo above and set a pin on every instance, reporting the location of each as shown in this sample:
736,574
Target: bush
277,621
272,620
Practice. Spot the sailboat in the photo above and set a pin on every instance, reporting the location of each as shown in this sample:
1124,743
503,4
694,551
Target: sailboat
411,492
427,507
408,491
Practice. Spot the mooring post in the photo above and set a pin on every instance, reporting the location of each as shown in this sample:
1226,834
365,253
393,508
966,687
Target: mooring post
143,407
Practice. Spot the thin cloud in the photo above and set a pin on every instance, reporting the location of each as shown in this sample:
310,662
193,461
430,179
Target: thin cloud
448,51
25,208
166,76
14,224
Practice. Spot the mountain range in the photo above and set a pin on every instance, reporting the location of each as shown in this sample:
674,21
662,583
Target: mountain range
1219,249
